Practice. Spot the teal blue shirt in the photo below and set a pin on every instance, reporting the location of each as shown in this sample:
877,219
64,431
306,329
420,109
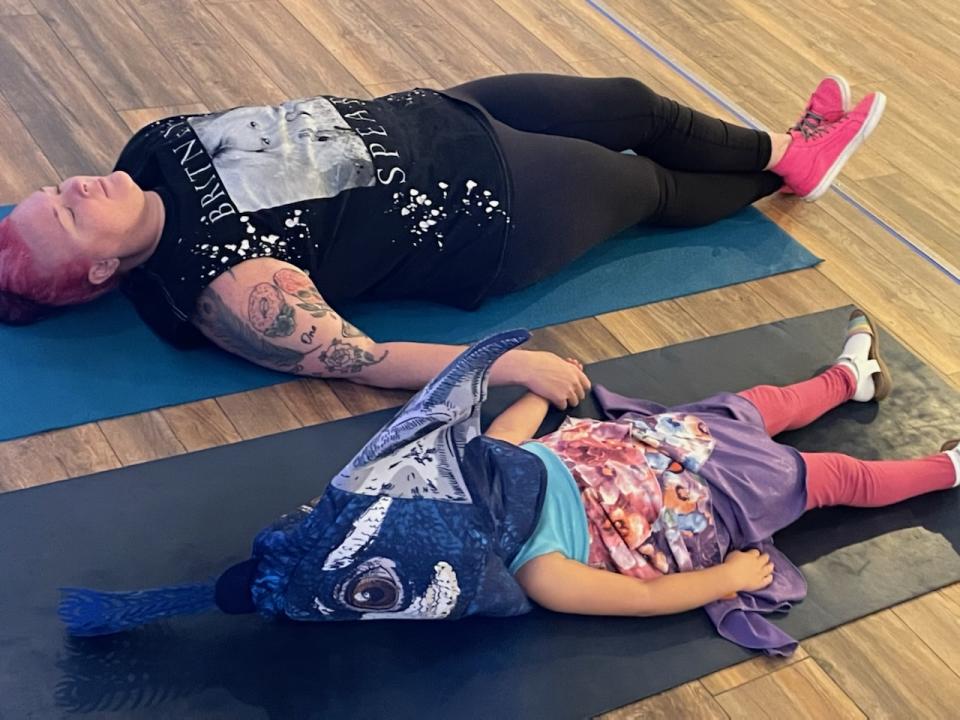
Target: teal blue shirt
562,526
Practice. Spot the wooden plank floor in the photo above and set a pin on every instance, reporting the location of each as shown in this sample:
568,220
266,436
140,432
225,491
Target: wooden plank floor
76,76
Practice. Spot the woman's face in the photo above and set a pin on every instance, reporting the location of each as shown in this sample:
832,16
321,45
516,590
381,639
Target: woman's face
88,217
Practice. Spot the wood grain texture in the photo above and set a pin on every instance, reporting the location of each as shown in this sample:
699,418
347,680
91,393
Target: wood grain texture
877,249
17,7
586,340
952,593
200,425
312,401
886,669
652,326
914,301
27,462
23,166
935,619
204,53
56,455
363,47
360,399
285,50
800,292
801,690
910,205
690,701
65,112
742,673
258,412
117,56
141,437
424,34
728,309
501,37
560,28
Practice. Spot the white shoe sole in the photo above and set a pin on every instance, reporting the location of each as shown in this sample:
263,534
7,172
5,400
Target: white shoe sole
954,456
844,91
869,125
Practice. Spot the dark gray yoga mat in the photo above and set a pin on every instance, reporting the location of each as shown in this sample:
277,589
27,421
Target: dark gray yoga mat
189,517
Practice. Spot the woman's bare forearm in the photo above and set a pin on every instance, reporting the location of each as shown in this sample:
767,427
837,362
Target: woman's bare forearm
410,365
270,313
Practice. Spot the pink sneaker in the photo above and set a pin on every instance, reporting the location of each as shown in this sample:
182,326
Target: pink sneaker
828,103
830,100
816,155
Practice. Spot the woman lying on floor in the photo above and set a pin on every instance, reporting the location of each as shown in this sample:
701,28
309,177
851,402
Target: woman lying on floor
658,511
249,227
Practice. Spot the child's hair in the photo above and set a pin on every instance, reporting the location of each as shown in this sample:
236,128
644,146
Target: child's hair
27,295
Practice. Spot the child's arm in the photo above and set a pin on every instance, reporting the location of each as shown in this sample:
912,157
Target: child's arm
519,421
565,585
522,419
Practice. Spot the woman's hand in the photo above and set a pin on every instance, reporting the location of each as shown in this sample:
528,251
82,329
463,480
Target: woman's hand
748,571
561,381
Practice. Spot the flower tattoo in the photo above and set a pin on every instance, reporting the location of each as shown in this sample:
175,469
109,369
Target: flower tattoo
343,357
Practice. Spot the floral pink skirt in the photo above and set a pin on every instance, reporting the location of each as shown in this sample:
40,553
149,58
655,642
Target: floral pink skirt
649,512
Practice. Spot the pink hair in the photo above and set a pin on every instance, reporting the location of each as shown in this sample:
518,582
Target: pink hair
26,293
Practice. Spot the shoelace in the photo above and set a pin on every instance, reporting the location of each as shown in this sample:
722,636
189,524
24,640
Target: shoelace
812,125
809,118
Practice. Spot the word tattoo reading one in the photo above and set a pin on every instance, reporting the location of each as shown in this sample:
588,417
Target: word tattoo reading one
296,283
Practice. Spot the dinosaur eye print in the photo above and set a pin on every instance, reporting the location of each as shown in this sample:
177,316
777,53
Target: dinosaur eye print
373,593
374,586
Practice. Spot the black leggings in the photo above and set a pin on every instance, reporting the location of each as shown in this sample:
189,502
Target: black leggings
563,137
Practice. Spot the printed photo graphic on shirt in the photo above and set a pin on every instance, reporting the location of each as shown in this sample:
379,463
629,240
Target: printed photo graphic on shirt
270,156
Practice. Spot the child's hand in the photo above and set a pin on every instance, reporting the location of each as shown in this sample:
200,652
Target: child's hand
559,380
750,570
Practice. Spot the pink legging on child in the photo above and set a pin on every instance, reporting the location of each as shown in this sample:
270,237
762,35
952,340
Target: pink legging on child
835,479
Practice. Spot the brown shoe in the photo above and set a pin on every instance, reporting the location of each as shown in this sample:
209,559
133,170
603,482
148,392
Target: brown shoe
949,445
874,365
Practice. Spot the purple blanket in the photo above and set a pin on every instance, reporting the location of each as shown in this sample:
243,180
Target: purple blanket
758,487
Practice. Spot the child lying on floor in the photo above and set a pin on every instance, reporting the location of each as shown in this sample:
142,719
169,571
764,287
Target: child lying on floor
658,511
685,499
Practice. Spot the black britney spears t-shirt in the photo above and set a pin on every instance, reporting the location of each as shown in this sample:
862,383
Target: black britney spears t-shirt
405,196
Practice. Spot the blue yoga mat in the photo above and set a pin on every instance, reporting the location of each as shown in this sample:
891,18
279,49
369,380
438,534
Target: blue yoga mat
99,360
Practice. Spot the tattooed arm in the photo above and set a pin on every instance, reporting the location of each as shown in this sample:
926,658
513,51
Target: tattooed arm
270,313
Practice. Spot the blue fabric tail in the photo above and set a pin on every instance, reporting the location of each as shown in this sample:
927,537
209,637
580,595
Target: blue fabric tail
88,612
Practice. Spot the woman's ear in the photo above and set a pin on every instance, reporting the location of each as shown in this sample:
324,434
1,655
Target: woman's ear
103,270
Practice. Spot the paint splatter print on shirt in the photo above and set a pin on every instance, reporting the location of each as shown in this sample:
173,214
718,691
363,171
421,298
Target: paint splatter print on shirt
404,196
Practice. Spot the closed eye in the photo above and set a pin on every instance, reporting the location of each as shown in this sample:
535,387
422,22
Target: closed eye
73,215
